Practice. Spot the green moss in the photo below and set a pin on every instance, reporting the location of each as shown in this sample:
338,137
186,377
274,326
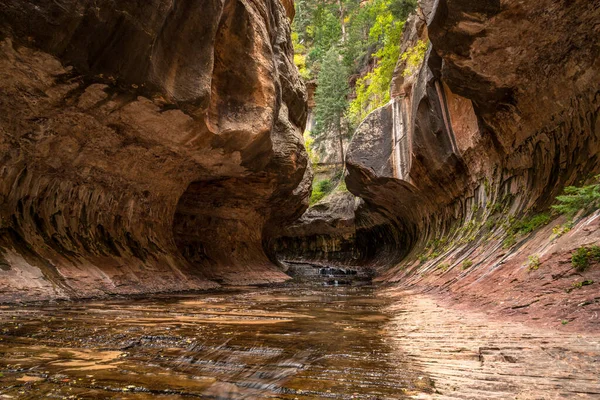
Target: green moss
320,190
509,241
523,226
560,230
583,256
533,263
341,187
467,264
530,224
498,207
579,285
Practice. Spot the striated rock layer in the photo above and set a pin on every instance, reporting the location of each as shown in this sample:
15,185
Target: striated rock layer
499,118
145,148
479,121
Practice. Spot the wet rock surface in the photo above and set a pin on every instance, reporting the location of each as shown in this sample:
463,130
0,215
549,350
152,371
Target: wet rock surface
328,275
285,343
471,355
326,232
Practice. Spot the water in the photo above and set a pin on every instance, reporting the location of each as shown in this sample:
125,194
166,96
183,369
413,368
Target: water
248,343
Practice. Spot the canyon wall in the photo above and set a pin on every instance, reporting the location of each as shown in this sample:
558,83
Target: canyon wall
501,115
146,147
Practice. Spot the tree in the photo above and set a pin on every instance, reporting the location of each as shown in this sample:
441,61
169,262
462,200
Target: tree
401,9
327,32
331,97
372,90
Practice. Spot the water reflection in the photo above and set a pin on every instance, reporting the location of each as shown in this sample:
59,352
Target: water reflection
284,343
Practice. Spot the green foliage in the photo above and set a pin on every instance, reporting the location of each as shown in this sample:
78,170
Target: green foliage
320,25
530,224
330,96
320,190
486,185
300,57
560,230
372,90
579,198
533,263
335,43
326,33
423,258
401,9
467,264
509,241
583,256
579,285
414,57
444,266
308,142
522,227
564,322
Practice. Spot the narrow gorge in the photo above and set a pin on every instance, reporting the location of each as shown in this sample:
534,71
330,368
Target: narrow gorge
446,182
180,219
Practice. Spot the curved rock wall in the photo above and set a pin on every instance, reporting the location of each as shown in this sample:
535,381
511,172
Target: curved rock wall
480,128
325,233
502,115
145,148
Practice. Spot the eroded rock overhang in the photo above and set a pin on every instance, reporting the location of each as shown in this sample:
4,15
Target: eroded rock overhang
145,149
501,116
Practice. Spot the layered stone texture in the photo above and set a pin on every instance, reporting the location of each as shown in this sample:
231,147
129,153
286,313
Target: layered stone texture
480,129
499,118
502,115
145,148
326,232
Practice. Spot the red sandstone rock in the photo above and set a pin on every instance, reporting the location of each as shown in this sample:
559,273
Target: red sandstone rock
501,116
145,149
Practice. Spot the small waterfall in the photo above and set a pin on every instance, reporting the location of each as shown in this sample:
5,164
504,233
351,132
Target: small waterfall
401,153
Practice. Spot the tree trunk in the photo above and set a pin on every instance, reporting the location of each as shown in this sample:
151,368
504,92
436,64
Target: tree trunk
342,23
342,154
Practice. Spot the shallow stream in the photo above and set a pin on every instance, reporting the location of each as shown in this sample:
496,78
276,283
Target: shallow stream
293,342
249,343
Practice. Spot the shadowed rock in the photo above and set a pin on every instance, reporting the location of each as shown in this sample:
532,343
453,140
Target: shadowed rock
145,148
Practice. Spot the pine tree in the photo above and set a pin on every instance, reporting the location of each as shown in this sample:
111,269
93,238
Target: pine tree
331,98
331,94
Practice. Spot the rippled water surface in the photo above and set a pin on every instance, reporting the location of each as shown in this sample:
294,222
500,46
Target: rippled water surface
285,343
